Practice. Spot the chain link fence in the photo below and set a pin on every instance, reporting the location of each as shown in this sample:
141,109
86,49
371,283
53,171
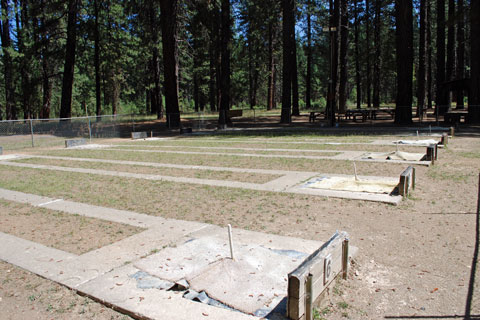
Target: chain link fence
18,134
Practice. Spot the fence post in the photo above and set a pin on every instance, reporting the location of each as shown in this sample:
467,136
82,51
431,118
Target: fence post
31,132
89,129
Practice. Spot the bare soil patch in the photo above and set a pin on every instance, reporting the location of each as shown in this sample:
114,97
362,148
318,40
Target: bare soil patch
72,233
24,295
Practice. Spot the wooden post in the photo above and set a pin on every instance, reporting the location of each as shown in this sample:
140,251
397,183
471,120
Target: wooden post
452,131
309,298
431,154
313,269
444,140
345,259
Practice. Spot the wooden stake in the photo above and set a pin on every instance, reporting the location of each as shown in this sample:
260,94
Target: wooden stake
345,259
230,240
355,171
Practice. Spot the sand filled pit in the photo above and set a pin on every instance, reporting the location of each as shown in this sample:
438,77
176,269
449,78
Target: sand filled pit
345,183
394,155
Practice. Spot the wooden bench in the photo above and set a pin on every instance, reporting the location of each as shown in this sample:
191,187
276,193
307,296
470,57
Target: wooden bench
454,117
354,113
313,116
307,283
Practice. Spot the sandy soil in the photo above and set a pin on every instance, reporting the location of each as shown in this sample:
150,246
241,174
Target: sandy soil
24,295
414,260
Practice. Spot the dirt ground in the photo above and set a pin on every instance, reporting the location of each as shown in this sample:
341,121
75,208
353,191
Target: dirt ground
414,261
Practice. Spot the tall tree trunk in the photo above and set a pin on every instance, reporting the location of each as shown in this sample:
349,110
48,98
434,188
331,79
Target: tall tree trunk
212,88
358,78
308,80
115,92
156,98
336,51
367,55
404,57
69,66
441,98
226,35
450,66
96,61
342,93
429,56
288,34
377,67
10,109
271,65
460,50
474,98
47,85
169,38
295,96
25,64
422,60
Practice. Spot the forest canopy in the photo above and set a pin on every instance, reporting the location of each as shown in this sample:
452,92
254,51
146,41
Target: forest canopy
65,58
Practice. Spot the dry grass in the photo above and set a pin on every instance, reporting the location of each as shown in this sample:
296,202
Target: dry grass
72,233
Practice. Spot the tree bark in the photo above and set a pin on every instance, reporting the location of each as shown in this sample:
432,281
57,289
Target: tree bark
460,72
441,98
169,34
474,98
69,66
367,55
404,58
226,35
288,34
342,93
10,109
422,59
358,78
377,66
96,61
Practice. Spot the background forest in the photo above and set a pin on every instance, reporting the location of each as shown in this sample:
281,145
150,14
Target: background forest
112,57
